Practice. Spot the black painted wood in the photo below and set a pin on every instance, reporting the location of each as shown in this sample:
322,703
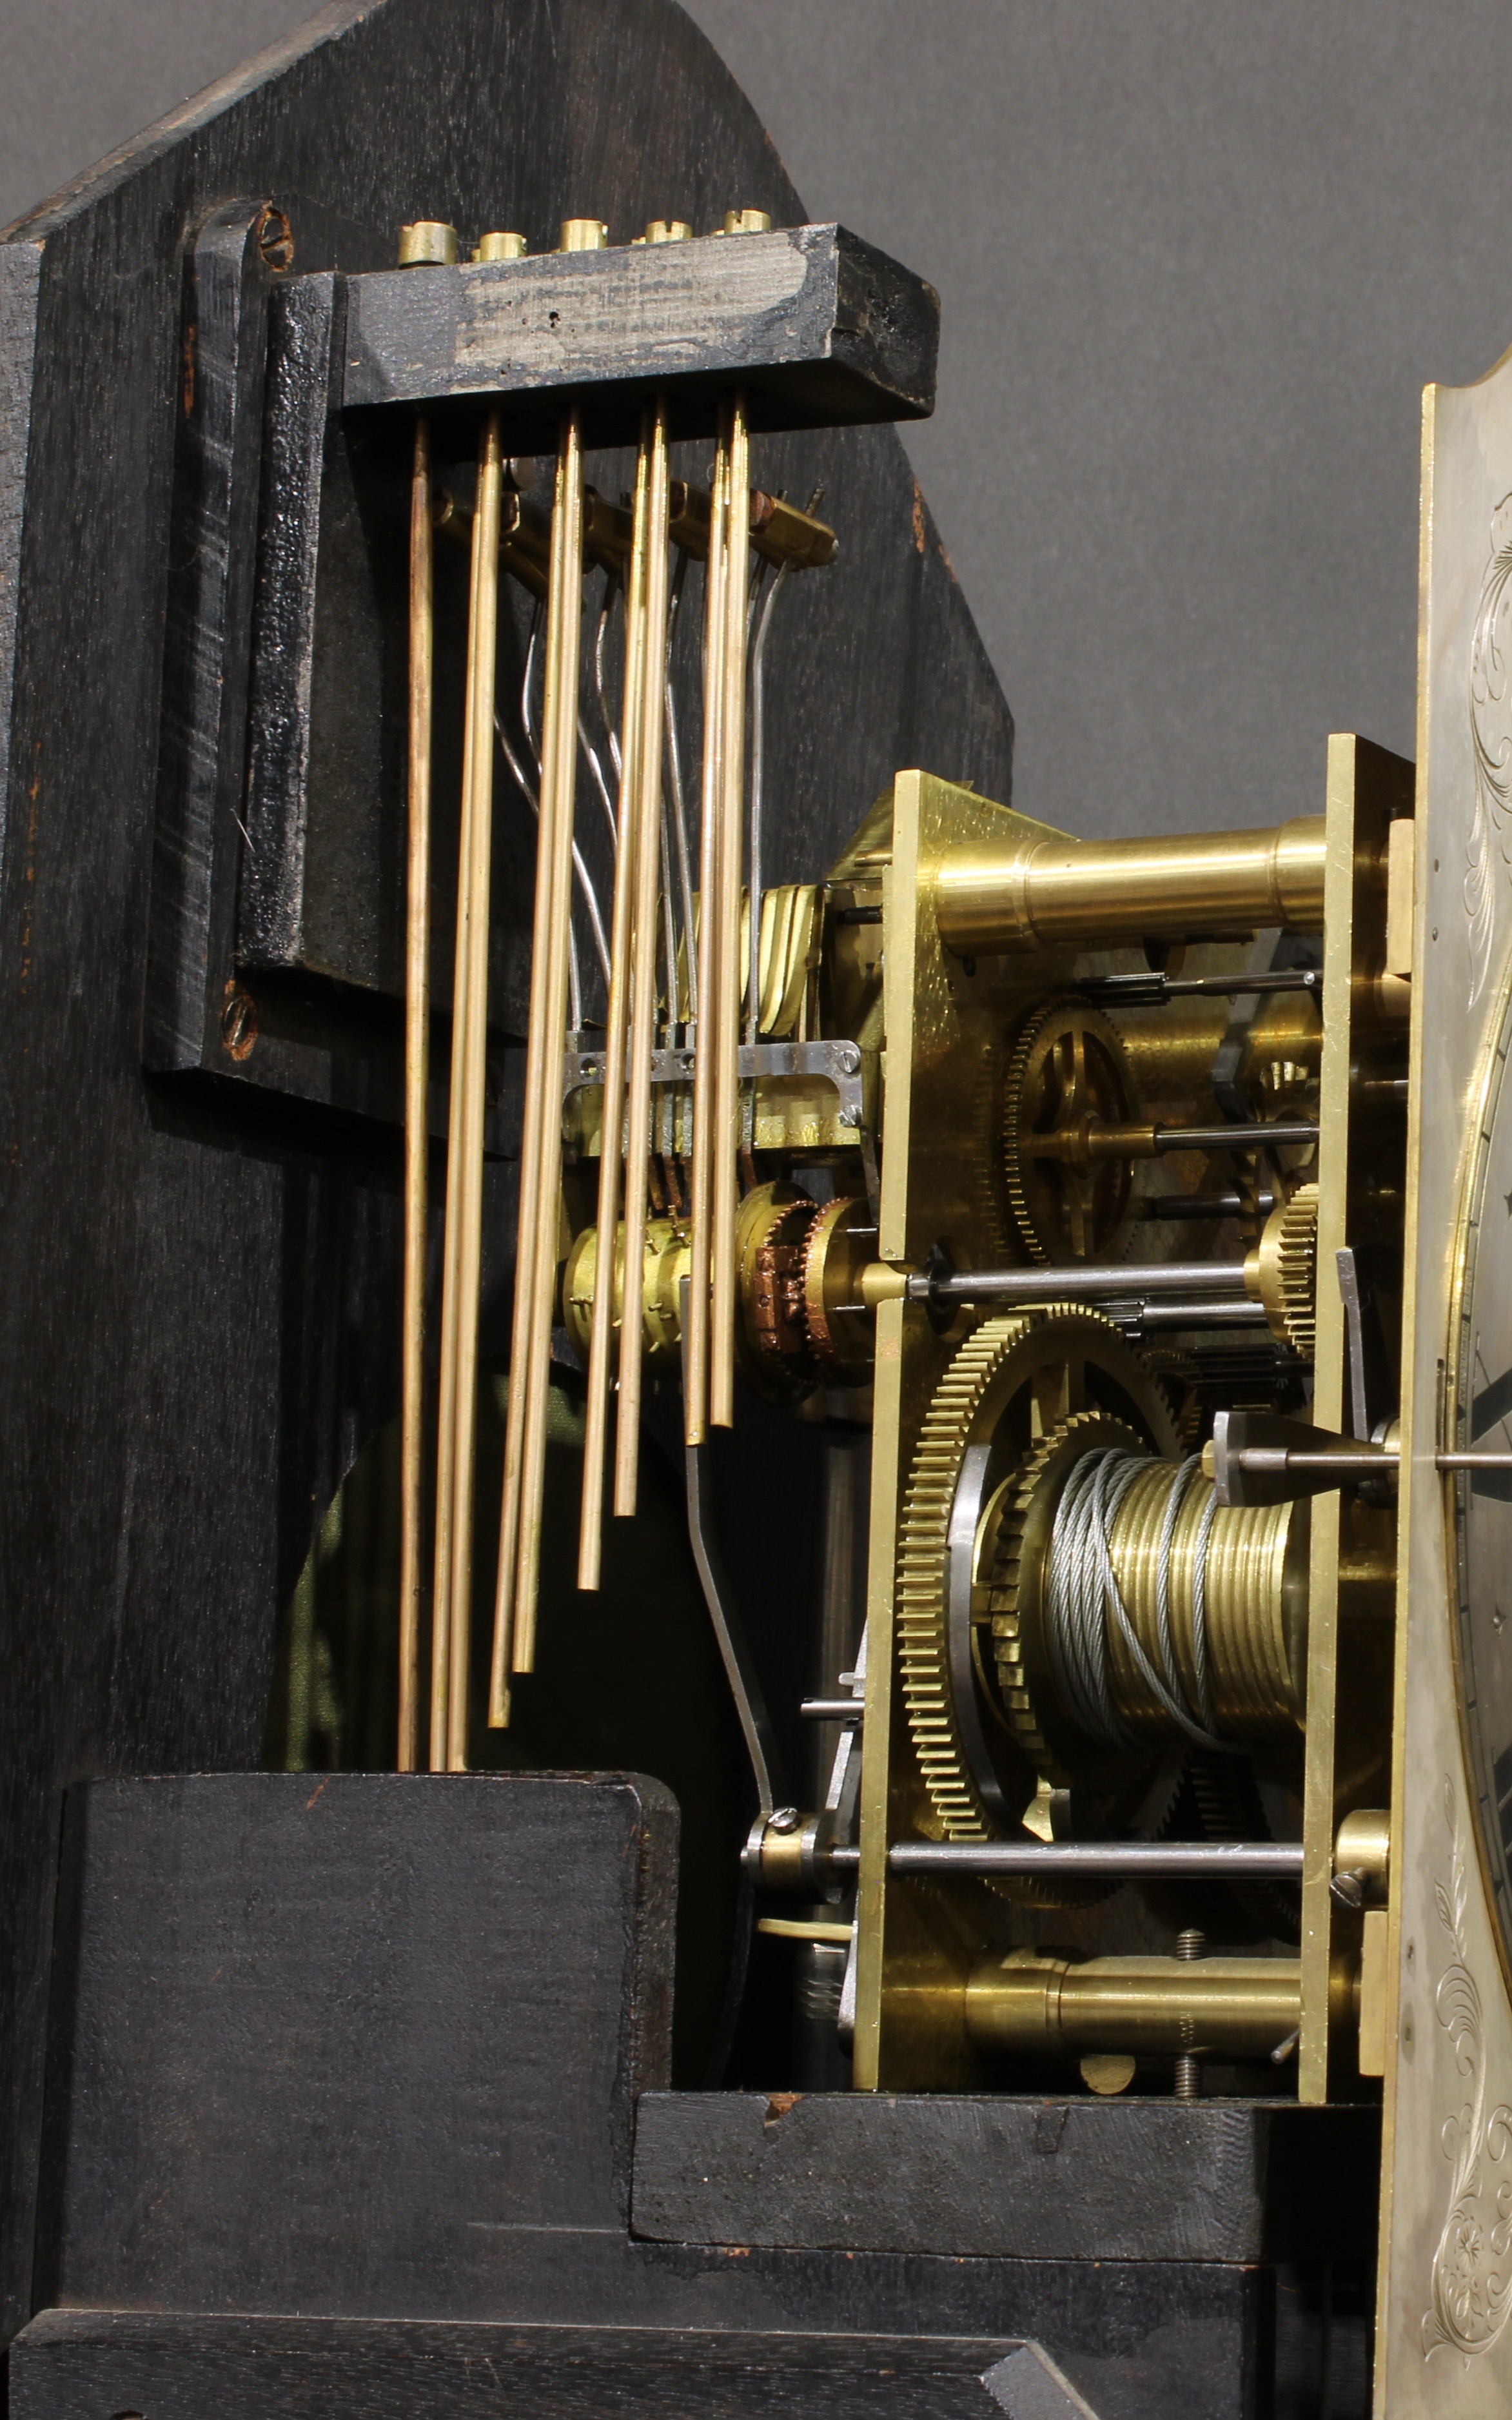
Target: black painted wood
1079,2179
818,328
74,2367
198,1318
320,2041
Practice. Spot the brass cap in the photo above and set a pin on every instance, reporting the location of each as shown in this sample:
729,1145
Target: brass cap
499,245
584,235
427,244
748,222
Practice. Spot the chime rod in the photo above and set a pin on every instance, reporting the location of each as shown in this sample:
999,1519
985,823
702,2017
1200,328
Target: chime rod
463,1237
541,1145
679,803
726,1040
416,1086
532,793
696,1343
651,662
616,1046
758,734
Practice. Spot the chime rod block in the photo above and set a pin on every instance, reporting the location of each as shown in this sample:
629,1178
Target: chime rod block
819,328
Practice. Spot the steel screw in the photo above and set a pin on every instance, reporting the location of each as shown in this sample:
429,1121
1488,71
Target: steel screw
1189,1946
784,1818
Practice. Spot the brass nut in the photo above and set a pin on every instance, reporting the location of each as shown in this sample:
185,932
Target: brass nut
428,243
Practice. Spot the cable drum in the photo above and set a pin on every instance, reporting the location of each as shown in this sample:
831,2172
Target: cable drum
1167,1618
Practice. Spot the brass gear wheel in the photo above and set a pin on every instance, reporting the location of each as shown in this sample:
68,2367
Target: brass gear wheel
1067,1075
1285,1271
979,1433
841,1242
1034,1490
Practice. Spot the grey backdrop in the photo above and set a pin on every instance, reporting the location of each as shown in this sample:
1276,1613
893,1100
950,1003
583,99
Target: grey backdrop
1198,258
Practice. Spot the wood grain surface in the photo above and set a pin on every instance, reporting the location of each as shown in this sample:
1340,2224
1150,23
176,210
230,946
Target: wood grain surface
198,1318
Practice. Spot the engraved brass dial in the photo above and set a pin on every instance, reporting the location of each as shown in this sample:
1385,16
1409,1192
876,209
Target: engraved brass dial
1478,1418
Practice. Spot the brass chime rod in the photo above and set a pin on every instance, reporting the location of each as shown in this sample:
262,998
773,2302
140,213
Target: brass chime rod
731,819
514,1643
416,1085
644,947
463,1235
616,1047
711,987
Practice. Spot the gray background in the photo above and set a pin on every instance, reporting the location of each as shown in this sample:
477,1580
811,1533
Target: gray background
1198,258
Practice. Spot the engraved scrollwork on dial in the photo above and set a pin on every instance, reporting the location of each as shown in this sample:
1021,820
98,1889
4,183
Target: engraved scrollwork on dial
1490,732
1471,2277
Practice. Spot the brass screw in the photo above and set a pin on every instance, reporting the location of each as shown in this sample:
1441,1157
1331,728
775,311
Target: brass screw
238,1021
664,231
427,244
584,235
1189,1946
746,222
500,245
275,239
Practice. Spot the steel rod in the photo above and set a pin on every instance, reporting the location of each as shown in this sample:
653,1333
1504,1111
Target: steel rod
1351,1462
1078,1283
416,1091
1218,1311
1260,1134
1145,991
1221,1861
608,1279
643,948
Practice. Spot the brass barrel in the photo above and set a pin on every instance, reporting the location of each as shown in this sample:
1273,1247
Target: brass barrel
1036,893
1256,1607
1029,2006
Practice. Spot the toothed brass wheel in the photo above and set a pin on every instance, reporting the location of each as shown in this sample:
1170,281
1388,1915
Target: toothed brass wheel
1282,1271
1014,1381
1067,1093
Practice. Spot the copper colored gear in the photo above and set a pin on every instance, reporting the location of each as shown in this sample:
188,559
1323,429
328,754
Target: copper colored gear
778,1323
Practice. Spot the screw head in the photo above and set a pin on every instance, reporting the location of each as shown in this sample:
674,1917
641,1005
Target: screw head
275,239
782,1819
238,1021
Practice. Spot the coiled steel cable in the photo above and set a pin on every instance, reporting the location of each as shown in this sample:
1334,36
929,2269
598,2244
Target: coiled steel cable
1083,1598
